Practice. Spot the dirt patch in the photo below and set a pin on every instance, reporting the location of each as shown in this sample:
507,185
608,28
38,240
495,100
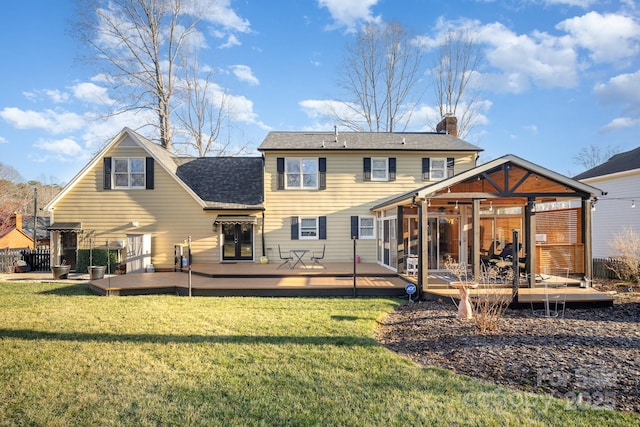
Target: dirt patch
590,356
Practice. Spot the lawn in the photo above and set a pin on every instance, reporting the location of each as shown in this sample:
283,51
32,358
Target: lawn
68,357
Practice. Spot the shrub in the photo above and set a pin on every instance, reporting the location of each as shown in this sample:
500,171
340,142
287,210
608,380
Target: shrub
99,257
626,261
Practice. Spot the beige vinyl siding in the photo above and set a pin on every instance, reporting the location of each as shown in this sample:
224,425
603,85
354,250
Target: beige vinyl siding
346,195
168,212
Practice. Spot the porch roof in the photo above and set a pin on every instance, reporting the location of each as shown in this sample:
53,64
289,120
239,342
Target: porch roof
66,226
506,177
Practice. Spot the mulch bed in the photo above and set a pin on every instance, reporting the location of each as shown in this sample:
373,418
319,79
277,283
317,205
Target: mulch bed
590,356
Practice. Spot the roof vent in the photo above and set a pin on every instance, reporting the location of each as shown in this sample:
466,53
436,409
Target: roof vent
345,144
335,132
403,141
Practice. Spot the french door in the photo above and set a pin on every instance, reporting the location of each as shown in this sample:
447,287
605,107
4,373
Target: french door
238,242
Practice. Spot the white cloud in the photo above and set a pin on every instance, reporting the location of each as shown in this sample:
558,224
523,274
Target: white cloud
620,123
92,93
608,37
51,121
232,40
65,149
621,89
348,13
538,58
578,3
57,96
220,12
244,74
3,140
516,61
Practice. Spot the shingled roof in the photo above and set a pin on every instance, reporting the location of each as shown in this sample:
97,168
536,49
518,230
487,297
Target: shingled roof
369,141
621,162
224,182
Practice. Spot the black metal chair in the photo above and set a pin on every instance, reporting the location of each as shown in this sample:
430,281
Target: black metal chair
317,258
285,259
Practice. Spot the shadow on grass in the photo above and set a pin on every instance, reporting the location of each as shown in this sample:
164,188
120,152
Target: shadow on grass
81,289
27,334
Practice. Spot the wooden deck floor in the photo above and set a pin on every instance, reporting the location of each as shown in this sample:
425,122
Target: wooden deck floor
333,279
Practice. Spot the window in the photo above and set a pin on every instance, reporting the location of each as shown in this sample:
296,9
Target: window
379,169
363,227
308,227
367,227
301,173
129,173
437,168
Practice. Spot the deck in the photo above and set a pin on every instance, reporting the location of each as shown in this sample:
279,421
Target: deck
334,280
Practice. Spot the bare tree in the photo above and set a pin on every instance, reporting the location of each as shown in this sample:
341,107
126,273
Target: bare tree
203,113
138,42
380,74
11,199
593,155
457,58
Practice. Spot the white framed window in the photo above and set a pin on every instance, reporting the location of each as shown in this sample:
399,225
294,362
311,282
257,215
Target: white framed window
309,227
438,169
129,173
301,173
379,169
366,227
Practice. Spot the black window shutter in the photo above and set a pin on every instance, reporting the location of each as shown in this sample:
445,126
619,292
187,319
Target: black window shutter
355,229
426,165
149,173
107,173
322,168
367,168
280,166
322,222
392,168
294,228
450,166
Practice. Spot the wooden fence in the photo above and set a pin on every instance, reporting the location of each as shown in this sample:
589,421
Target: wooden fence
605,268
38,260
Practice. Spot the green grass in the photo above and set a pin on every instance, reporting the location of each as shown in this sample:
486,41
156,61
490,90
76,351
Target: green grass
68,357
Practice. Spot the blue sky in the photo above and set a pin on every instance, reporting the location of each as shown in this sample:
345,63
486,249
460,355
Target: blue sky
556,76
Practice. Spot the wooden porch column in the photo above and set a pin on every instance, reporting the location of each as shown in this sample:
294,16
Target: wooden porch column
530,235
475,238
587,238
423,239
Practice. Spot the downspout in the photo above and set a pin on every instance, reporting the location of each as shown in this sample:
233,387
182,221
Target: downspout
263,248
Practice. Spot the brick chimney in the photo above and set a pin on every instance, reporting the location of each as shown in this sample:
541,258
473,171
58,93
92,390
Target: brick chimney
17,220
449,125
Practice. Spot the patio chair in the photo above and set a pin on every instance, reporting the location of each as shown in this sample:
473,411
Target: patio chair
555,282
317,258
412,265
285,259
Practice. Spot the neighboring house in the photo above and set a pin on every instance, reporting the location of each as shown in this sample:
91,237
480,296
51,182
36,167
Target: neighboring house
16,237
137,197
619,177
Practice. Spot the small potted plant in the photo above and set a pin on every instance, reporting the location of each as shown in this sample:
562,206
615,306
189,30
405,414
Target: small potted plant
95,271
61,271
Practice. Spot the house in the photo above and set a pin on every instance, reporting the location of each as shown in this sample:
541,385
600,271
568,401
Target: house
391,195
619,177
320,187
144,202
15,237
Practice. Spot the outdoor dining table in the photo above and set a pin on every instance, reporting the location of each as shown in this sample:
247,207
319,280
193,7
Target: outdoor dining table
299,253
